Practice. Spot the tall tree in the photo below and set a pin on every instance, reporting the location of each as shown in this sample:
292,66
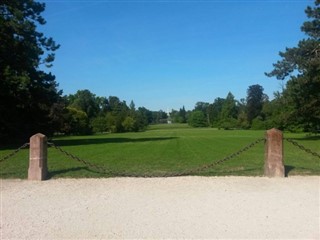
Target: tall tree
85,101
203,107
215,111
229,112
255,98
301,66
27,93
182,115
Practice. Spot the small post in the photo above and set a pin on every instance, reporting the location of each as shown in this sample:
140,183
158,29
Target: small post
38,157
273,166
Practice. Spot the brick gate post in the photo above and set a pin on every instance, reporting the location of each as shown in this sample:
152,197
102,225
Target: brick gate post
38,158
273,166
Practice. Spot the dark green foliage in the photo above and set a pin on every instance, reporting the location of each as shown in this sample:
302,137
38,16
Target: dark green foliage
229,113
159,117
85,101
29,96
214,111
99,124
76,122
197,119
301,66
87,113
179,116
255,99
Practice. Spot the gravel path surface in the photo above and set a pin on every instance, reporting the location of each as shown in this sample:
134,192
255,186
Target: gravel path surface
158,208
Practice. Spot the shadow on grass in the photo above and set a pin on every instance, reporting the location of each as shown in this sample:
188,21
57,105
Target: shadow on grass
287,170
89,141
306,138
66,172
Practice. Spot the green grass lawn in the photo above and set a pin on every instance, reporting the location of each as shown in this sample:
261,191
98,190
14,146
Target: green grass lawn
166,149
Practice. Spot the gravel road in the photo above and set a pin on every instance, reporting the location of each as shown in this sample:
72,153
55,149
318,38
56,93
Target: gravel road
162,208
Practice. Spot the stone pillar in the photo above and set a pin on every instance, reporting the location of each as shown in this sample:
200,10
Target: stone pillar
38,158
273,165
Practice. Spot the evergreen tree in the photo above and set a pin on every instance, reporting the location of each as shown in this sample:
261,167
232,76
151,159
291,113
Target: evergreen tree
255,98
27,93
301,66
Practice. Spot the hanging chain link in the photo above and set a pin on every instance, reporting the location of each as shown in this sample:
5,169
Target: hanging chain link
231,156
104,170
99,169
303,148
14,152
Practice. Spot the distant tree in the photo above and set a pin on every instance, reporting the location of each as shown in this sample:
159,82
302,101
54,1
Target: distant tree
76,122
129,124
182,115
112,123
255,99
117,106
102,103
203,107
229,113
242,114
28,94
144,117
197,119
178,116
86,101
174,116
215,111
301,66
275,113
159,117
132,108
99,124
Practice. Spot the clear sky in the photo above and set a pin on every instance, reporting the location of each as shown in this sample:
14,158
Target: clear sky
168,54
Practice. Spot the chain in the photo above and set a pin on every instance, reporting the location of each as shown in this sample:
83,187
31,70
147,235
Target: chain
231,156
14,152
307,150
101,169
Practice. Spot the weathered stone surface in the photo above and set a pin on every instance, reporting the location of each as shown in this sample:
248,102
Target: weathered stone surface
38,157
274,166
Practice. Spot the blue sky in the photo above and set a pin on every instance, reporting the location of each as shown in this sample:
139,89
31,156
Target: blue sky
169,54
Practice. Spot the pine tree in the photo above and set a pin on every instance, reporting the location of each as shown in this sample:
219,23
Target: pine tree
301,66
28,95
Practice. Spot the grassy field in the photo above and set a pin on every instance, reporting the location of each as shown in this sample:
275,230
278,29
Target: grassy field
166,149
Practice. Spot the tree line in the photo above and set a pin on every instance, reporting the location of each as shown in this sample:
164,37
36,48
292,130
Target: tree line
31,102
252,112
86,113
